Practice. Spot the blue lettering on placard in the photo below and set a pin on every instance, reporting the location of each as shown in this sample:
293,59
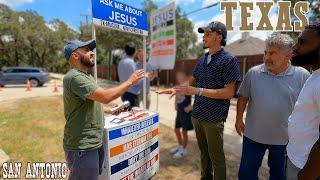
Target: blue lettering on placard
133,159
132,128
116,12
163,17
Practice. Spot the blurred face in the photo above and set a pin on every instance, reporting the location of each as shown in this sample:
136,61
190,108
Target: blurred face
211,39
276,59
181,78
139,56
85,56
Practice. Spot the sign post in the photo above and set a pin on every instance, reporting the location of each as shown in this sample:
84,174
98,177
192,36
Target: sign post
95,53
131,143
119,16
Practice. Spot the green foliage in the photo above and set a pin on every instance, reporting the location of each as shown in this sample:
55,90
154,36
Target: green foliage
186,37
26,39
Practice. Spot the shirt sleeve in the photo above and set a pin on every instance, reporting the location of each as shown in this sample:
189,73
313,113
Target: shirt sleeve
132,67
196,69
149,67
306,75
244,89
83,86
231,71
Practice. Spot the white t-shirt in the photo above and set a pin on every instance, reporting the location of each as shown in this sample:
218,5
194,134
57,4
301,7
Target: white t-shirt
303,127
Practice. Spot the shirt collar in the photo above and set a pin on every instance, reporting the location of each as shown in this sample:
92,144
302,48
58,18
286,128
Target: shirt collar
128,57
288,72
316,71
211,55
218,52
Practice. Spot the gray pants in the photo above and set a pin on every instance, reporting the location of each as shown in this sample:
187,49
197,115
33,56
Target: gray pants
292,170
85,164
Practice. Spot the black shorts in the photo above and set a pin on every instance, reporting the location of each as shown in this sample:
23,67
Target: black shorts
183,120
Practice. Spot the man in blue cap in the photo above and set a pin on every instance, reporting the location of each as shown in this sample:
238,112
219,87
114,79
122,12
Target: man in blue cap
83,111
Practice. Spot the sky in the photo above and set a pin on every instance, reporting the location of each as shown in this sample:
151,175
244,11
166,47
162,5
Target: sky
73,12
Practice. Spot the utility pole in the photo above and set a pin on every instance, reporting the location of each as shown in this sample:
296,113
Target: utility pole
87,16
206,7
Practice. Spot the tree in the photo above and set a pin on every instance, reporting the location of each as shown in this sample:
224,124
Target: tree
186,37
27,40
12,39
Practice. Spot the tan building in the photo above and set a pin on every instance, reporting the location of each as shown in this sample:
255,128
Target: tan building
249,51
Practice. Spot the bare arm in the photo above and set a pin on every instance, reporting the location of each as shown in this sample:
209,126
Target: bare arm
225,93
107,95
311,169
188,90
241,106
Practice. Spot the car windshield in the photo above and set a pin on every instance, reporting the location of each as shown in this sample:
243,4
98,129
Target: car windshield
7,70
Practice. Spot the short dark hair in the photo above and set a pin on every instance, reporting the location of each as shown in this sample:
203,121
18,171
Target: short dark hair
223,42
314,26
130,48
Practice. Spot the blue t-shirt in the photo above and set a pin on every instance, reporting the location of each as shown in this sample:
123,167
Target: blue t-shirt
183,101
149,70
126,68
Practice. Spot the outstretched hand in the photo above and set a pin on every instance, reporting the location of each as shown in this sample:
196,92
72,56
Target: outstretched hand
136,76
169,91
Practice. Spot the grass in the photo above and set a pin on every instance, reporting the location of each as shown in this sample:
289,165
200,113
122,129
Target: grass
32,129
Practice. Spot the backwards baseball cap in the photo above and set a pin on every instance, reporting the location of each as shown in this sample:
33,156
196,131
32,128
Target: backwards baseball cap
73,45
215,26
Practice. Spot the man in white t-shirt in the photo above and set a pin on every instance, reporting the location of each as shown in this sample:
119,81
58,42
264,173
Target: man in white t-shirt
304,144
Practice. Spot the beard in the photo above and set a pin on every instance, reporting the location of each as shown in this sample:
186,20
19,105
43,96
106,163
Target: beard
86,61
312,58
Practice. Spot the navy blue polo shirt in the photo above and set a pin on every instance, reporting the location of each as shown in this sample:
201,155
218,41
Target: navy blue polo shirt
223,69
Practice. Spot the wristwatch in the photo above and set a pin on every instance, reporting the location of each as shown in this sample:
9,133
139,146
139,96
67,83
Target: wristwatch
199,91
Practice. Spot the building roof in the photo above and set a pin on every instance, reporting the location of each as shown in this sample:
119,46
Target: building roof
248,46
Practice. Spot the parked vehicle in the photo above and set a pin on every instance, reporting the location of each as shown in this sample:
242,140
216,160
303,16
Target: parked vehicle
20,75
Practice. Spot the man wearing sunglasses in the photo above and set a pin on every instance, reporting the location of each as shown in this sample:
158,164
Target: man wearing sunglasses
83,111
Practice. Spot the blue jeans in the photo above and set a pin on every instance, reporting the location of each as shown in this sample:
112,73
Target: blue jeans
85,164
252,155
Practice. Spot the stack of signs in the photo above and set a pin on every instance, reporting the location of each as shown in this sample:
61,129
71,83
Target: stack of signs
119,16
132,146
163,38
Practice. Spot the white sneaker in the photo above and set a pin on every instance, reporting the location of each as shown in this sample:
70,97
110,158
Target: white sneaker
180,153
175,149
